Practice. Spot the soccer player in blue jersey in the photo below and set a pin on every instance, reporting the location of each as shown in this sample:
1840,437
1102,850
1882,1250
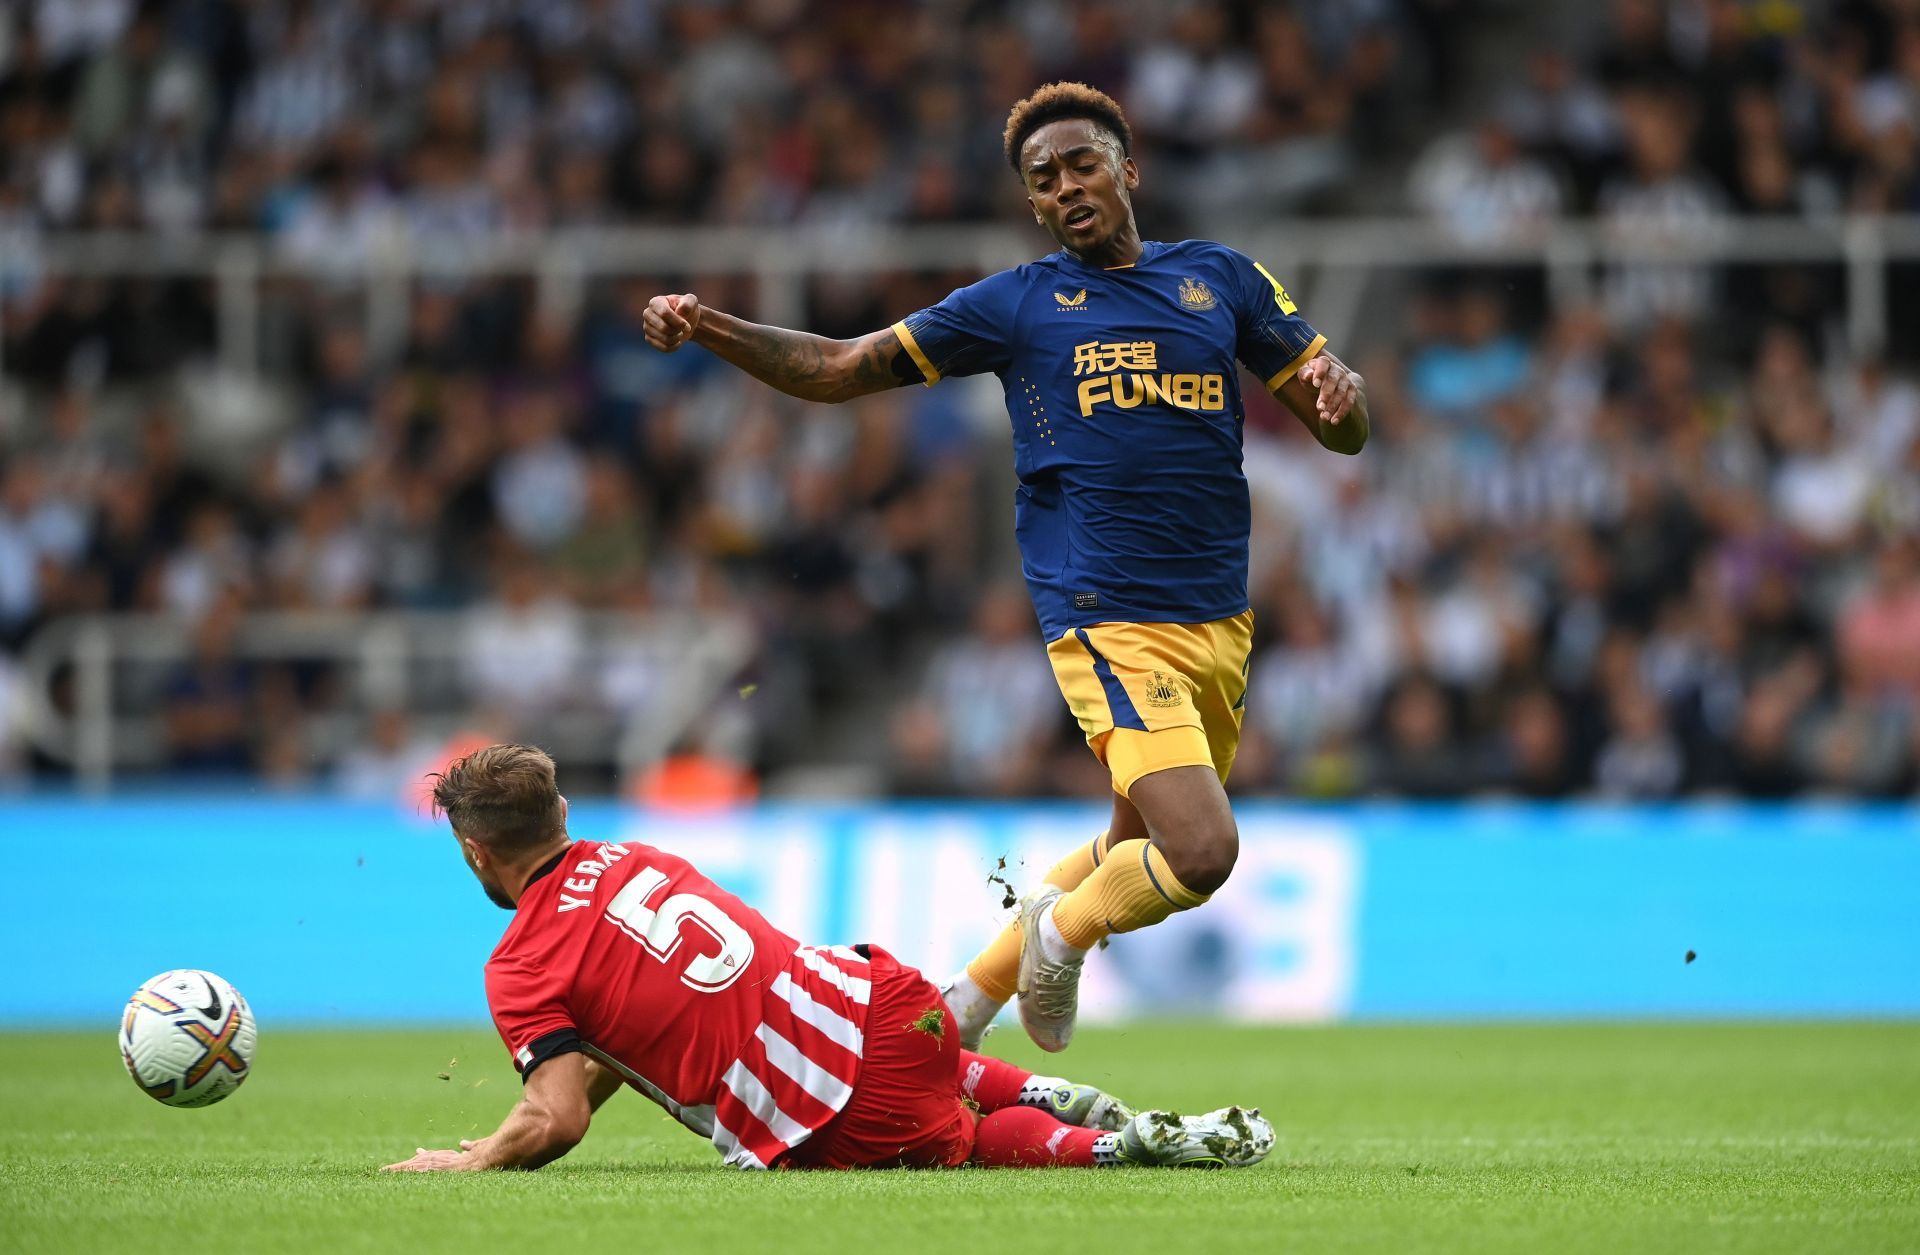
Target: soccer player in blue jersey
1118,357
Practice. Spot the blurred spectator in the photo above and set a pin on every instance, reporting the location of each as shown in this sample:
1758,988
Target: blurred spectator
1483,188
1641,760
322,561
1765,760
1471,360
993,698
539,482
1315,683
1879,633
214,562
1419,755
1661,198
342,221
1533,754
209,697
389,762
1556,111
523,648
605,555
21,568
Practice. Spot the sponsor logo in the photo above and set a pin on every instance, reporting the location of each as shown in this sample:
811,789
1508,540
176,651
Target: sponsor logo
1077,301
1106,368
1195,295
976,1072
212,1009
1095,358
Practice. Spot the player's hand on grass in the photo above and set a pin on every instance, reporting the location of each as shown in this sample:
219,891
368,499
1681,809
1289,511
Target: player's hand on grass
670,321
425,1160
1337,383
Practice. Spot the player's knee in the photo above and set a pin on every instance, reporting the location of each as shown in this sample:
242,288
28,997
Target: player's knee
1204,859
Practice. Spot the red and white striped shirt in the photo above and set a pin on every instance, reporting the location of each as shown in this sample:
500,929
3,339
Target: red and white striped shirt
629,954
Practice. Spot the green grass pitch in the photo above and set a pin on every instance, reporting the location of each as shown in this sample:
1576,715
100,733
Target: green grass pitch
1607,1138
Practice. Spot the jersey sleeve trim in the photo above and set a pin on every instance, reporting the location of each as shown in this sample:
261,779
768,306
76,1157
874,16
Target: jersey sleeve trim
561,1041
1306,355
929,375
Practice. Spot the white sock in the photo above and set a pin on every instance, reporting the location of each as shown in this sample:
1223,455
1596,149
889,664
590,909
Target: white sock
972,1009
1052,944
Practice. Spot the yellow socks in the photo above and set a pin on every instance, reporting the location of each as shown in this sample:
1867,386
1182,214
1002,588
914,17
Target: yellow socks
1109,891
1132,888
998,966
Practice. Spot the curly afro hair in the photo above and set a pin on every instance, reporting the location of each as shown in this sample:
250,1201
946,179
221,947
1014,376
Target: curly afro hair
1064,100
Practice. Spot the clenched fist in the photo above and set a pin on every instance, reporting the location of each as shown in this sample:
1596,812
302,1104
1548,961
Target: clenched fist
670,321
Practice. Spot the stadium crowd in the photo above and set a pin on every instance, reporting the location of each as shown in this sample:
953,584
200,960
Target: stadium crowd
1665,544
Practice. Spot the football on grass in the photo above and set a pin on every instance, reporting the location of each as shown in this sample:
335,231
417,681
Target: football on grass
187,1038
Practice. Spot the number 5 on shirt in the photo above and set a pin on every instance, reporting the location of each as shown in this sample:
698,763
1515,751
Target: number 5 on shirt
658,929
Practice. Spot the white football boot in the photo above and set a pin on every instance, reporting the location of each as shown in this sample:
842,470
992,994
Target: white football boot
1049,989
1232,1137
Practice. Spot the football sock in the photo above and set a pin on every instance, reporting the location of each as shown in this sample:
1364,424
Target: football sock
1020,1137
996,969
1038,1091
1054,942
1132,888
993,1084
973,1007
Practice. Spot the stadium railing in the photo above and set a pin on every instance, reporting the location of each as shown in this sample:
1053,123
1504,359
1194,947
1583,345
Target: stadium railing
1319,255
669,666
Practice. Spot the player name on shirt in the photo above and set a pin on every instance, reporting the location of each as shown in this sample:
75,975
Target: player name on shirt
586,876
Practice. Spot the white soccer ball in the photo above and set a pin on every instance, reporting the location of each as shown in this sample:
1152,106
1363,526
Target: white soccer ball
187,1038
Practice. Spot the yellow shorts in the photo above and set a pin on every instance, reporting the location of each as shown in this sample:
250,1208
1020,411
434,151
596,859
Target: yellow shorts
1151,696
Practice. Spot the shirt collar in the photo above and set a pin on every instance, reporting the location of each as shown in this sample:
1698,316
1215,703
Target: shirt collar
548,867
1148,248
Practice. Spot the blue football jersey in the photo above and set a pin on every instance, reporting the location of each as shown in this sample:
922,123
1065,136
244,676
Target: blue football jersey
1127,422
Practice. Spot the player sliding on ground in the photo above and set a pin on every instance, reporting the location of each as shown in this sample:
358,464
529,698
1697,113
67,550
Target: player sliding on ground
624,964
1117,356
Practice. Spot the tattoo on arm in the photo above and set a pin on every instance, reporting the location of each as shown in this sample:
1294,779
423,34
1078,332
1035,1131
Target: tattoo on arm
884,363
811,367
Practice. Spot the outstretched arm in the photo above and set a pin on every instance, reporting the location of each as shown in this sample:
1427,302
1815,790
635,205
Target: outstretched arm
1330,398
810,367
548,1121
